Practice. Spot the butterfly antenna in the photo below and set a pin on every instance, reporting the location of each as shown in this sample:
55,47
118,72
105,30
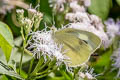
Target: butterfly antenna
53,24
46,25
30,6
51,28
38,6
53,19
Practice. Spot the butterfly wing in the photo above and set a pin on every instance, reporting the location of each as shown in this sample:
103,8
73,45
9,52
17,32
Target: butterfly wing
79,44
88,37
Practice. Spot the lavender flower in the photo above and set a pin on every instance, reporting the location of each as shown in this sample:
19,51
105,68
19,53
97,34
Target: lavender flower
59,4
113,28
88,74
116,58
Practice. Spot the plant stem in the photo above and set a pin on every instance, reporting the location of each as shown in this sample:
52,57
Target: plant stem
37,67
76,70
55,67
21,61
44,65
22,56
26,51
24,43
38,77
30,68
50,65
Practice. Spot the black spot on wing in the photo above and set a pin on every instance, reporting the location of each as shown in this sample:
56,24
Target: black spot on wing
85,41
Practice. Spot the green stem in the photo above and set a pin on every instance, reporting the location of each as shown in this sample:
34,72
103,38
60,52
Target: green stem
47,70
22,56
22,50
44,65
30,68
24,43
21,61
51,64
76,70
37,67
30,36
22,33
28,52
38,77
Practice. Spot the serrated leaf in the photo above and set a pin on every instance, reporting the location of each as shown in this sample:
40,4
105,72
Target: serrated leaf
6,40
100,8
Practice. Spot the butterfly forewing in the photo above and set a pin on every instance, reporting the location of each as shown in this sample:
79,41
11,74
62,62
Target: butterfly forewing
79,47
89,38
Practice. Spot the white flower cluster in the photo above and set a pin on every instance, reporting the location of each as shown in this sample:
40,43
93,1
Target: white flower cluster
5,6
80,19
88,74
8,5
76,7
43,44
59,5
34,18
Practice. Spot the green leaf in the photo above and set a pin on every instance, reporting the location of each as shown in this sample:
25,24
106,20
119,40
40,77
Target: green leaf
2,57
16,53
6,40
3,77
4,69
100,8
23,73
66,76
118,1
103,61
